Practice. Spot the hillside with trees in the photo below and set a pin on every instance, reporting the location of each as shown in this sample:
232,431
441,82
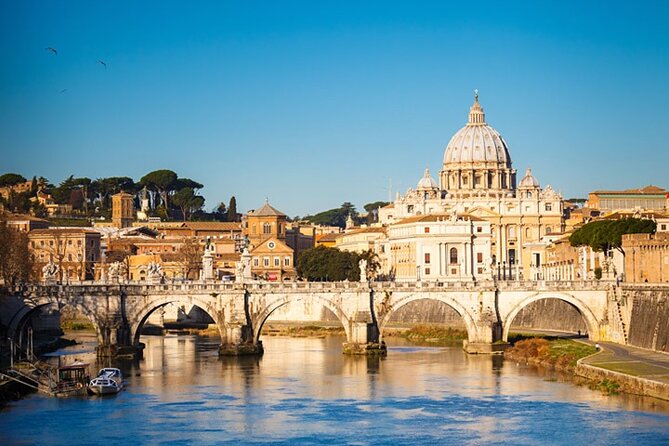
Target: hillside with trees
170,197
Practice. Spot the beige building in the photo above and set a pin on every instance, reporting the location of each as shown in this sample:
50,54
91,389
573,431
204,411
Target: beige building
271,257
74,250
477,178
439,247
123,212
646,198
23,223
647,257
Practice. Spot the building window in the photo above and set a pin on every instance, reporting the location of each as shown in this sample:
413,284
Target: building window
454,256
663,227
549,230
548,207
427,257
69,242
479,257
410,208
528,232
286,261
266,228
512,232
427,271
479,229
427,229
277,261
256,262
265,261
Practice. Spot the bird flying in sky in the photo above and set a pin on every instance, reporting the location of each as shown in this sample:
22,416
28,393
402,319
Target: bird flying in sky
52,49
102,63
63,90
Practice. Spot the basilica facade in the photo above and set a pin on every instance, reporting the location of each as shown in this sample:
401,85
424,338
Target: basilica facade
478,182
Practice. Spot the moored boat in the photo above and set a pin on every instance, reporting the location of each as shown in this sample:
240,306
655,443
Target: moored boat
72,380
108,382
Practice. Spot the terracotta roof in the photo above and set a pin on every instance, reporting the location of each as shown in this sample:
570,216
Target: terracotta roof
266,211
329,237
51,231
363,230
214,225
648,190
8,216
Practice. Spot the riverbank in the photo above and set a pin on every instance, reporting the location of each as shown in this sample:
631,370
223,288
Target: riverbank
587,366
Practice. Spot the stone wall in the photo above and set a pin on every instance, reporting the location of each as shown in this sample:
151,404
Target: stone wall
649,322
550,314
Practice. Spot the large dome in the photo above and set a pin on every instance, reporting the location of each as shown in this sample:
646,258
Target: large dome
477,160
477,142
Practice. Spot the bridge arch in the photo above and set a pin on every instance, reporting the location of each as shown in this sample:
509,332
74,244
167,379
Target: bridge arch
259,318
588,316
137,317
396,304
21,318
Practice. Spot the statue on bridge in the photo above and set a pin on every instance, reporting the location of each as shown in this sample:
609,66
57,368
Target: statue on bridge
363,270
116,270
50,271
155,271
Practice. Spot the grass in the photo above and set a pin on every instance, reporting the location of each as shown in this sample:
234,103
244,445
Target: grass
76,325
607,386
434,332
558,353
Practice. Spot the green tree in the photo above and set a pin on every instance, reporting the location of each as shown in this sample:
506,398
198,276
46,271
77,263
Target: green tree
11,179
605,235
187,201
232,210
162,182
328,264
369,207
334,217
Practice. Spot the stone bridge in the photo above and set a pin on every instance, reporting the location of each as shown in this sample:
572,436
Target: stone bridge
119,311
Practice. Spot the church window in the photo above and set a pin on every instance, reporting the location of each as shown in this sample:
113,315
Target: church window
465,180
253,229
454,256
427,271
548,206
286,261
549,229
427,229
256,262
528,232
512,232
265,261
479,229
266,228
479,257
277,261
427,257
529,194
410,208
477,180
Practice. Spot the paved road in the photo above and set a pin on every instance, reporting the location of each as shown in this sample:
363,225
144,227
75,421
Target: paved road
631,360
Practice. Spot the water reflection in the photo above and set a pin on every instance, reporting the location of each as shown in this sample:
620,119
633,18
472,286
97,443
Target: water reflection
303,390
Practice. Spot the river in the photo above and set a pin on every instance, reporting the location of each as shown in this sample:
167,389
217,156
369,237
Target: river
304,391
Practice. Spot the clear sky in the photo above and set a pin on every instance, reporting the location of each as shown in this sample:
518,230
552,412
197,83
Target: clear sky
315,103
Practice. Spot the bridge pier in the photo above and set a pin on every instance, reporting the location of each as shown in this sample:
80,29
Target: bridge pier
239,341
364,340
485,339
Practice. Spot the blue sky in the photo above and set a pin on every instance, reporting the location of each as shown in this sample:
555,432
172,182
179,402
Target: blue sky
317,103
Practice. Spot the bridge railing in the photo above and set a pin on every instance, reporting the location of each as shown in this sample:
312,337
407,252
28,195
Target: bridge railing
264,286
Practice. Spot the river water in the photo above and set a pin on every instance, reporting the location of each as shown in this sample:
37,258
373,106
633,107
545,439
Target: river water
304,391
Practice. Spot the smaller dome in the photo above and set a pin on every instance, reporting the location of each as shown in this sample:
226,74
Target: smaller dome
529,180
427,183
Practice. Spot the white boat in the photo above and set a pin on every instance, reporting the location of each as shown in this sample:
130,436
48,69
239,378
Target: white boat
108,382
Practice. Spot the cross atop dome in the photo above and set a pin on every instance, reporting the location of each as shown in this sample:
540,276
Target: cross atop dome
476,115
